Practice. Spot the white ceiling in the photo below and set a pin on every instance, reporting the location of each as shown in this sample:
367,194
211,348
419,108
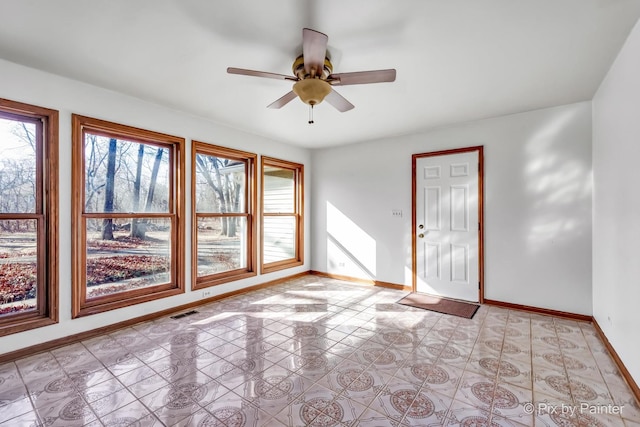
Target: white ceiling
456,60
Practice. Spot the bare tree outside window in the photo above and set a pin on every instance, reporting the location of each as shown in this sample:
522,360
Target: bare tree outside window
28,218
18,237
223,204
119,259
129,235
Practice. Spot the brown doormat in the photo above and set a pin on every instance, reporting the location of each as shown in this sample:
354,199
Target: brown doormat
441,305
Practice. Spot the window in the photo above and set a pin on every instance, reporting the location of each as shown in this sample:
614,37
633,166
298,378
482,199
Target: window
28,217
128,209
223,204
282,214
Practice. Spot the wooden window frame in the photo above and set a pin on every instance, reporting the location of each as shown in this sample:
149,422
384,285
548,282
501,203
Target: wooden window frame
251,184
46,215
175,145
298,214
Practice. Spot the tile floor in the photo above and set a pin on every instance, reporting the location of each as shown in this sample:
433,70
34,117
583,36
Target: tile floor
321,352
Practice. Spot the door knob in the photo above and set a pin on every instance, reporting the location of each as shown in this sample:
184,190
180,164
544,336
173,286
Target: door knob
421,235
421,226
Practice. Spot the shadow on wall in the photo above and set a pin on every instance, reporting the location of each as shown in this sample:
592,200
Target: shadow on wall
350,250
556,181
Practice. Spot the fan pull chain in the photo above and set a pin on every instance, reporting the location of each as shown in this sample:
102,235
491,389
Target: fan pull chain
311,114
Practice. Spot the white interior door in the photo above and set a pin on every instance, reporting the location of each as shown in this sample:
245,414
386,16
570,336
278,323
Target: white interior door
447,225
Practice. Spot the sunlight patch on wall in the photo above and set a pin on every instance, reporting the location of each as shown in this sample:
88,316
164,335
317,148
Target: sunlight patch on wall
350,250
557,181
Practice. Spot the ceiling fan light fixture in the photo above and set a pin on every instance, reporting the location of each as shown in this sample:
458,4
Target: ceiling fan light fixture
312,91
313,74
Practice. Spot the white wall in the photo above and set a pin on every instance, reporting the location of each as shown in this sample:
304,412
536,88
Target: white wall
616,204
27,85
537,194
537,206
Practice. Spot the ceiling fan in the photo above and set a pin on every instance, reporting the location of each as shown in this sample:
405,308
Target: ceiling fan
314,78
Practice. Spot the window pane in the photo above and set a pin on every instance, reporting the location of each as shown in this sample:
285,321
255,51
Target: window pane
279,190
124,176
17,167
220,184
279,238
222,245
127,253
18,266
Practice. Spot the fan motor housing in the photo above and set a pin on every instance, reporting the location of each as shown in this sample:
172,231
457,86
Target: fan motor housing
299,71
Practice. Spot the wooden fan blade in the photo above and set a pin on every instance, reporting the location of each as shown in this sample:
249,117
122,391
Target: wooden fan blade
281,102
362,77
338,101
314,50
253,73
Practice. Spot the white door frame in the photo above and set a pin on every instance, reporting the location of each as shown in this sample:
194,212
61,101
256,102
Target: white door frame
414,247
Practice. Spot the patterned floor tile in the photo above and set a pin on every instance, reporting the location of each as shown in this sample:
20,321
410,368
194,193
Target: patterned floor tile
462,415
107,403
15,408
69,411
314,408
362,387
231,410
321,352
130,414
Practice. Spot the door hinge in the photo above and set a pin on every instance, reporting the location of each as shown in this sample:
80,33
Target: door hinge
478,285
